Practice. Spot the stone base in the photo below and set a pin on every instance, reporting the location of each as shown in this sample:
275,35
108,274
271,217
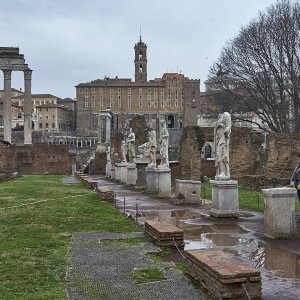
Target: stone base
225,202
118,171
151,179
123,172
108,170
224,274
187,192
113,172
164,182
131,174
279,214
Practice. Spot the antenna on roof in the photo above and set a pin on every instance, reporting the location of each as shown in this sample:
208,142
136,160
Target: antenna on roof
140,34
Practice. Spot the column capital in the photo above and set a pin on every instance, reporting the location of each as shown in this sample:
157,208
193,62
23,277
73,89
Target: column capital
7,73
27,74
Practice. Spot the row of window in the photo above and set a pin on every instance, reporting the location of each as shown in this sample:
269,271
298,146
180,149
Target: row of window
149,98
119,90
47,125
155,104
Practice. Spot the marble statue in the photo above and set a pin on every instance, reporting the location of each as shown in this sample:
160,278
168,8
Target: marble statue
130,141
152,147
123,151
221,141
164,145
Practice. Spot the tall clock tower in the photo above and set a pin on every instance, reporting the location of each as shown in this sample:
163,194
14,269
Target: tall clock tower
140,61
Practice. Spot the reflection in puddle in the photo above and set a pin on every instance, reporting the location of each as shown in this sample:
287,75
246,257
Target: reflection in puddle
280,270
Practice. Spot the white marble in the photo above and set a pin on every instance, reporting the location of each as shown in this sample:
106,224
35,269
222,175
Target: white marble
279,212
123,172
151,179
164,182
108,170
187,191
131,174
118,171
224,198
113,173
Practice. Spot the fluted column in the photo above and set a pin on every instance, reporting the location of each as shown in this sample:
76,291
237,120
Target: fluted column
7,105
27,107
107,129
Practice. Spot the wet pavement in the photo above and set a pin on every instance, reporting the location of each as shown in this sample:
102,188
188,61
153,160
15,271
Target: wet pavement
278,260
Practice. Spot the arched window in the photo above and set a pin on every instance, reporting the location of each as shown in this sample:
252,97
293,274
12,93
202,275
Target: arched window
207,151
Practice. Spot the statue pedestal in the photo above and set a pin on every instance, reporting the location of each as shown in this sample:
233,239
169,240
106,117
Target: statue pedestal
108,170
118,171
151,179
131,174
164,182
123,172
279,212
112,171
225,202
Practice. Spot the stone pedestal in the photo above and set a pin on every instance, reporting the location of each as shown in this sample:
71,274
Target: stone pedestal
225,202
118,171
108,170
73,169
164,182
123,172
187,192
151,179
113,173
279,212
131,174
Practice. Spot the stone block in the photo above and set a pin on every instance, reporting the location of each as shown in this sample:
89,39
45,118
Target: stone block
187,192
279,214
164,182
151,179
131,174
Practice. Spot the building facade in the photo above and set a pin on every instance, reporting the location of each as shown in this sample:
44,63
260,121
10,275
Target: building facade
173,96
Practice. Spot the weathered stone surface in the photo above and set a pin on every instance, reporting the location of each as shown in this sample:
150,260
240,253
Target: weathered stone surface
187,191
225,275
106,195
151,179
164,234
164,182
279,212
131,174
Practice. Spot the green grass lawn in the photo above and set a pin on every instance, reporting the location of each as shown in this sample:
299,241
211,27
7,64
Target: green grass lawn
38,215
247,198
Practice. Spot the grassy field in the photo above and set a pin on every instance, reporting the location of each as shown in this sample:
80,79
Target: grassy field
38,215
247,198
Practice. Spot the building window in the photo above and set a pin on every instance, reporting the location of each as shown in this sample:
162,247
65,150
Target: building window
119,90
162,97
119,103
111,97
176,103
86,98
40,125
101,97
81,90
53,125
47,125
129,103
111,90
93,104
86,104
47,109
93,97
93,90
86,90
111,104
119,97
149,104
101,90
162,91
162,104
101,103
169,103
148,97
47,117
129,97
181,103
140,91
140,97
53,117
155,103
155,90
149,91
155,97
129,90
140,103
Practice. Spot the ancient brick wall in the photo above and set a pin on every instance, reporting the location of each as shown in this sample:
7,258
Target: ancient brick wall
190,162
36,159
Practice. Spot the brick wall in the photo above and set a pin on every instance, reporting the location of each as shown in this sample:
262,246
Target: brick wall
36,159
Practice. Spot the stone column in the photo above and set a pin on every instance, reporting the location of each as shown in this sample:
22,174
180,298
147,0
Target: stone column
107,129
7,105
27,107
100,128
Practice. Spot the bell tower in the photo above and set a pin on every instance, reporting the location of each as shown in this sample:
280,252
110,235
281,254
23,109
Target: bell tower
140,61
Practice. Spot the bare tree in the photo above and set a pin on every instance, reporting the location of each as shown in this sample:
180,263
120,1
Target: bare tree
260,68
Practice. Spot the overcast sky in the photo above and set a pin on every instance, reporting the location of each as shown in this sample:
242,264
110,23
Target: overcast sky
67,42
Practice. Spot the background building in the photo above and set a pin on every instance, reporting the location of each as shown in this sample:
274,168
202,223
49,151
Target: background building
174,96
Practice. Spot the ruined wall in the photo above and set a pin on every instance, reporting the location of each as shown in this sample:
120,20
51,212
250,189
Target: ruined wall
190,162
36,159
